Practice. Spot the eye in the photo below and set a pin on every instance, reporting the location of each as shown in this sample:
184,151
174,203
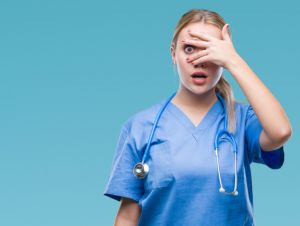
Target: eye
188,48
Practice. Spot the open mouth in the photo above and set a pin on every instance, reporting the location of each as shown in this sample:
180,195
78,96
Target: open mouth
199,75
199,78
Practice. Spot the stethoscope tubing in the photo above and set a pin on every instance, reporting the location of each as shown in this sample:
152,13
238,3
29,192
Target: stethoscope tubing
155,125
141,169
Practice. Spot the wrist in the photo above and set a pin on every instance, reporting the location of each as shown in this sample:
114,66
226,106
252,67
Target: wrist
234,62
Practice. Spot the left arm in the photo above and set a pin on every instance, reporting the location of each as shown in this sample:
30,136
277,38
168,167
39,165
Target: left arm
276,126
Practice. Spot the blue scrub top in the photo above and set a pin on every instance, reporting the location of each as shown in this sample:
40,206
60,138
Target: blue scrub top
182,187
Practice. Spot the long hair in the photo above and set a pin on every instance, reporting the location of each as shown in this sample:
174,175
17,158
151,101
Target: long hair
223,86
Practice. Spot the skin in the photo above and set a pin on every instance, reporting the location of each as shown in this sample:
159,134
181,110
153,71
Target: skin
196,100
214,48
128,213
216,51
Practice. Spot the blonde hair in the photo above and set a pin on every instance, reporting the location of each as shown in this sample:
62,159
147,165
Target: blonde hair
223,87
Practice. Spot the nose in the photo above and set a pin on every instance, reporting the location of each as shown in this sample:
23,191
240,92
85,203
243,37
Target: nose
203,65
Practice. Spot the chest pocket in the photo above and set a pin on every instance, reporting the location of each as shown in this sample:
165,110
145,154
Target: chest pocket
160,165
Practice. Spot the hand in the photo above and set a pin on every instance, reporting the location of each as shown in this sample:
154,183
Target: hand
217,51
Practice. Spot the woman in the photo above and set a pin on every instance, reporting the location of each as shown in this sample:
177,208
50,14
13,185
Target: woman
187,183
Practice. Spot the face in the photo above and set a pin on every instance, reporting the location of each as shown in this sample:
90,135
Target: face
186,69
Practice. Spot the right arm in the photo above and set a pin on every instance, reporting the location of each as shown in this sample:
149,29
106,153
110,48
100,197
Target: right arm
128,213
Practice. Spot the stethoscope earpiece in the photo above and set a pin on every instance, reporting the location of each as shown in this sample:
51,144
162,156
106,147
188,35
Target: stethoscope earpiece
141,169
235,193
222,190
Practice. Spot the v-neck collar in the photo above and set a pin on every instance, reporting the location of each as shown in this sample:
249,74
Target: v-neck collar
206,121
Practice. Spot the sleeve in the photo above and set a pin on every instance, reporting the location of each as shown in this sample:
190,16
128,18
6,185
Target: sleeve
122,182
273,159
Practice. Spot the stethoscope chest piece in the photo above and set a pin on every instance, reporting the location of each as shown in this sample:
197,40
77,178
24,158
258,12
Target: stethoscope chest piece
141,170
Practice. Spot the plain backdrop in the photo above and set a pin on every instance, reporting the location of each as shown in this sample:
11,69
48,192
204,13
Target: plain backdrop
71,72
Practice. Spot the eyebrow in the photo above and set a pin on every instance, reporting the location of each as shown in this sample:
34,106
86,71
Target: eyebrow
186,44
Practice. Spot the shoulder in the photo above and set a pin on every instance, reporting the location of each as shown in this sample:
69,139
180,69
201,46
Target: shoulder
244,111
143,118
242,107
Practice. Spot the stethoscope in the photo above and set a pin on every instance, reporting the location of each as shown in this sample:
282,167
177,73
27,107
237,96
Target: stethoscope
141,169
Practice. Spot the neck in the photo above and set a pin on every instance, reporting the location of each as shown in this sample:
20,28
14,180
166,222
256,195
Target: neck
186,98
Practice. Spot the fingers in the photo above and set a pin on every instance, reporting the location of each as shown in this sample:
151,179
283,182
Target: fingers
198,43
200,35
197,57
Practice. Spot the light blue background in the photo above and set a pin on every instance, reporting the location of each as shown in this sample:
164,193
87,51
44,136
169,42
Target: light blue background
71,72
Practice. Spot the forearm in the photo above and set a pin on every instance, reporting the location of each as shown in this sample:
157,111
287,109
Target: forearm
268,110
128,213
124,222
